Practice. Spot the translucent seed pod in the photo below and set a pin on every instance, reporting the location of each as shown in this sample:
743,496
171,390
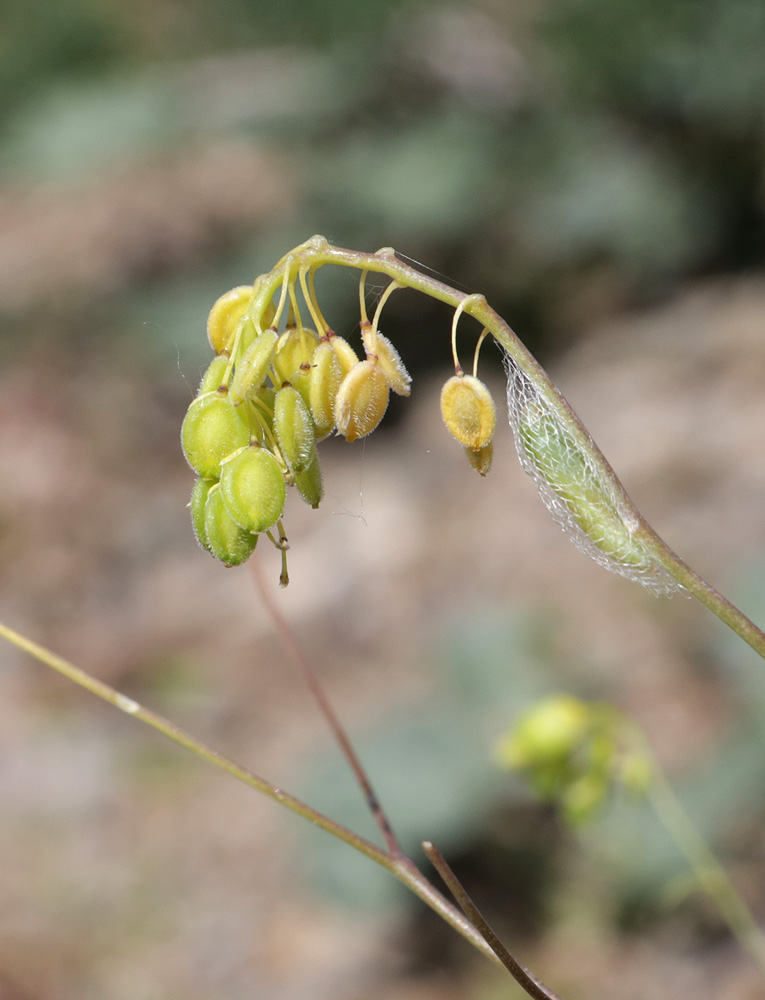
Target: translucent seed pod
197,506
377,345
250,372
361,400
253,488
295,348
309,482
345,353
323,384
468,411
212,429
213,377
481,459
225,315
226,540
294,429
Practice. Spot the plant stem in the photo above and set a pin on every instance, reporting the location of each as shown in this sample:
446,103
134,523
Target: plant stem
402,868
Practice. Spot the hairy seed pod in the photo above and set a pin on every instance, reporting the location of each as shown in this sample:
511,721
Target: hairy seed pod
323,383
377,345
468,411
294,429
197,505
212,429
481,459
253,488
295,348
309,482
225,315
225,538
362,400
251,370
345,353
213,377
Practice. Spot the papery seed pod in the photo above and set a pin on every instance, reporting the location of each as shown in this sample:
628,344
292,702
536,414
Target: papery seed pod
295,348
323,384
226,540
253,488
212,429
294,428
251,370
362,400
481,459
468,411
377,345
309,482
225,315
345,353
197,505
213,377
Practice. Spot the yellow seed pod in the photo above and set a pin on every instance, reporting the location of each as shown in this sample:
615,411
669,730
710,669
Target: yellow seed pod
225,315
226,540
253,488
294,429
197,505
323,382
213,377
468,411
345,353
250,372
481,459
309,482
212,429
362,400
295,348
377,345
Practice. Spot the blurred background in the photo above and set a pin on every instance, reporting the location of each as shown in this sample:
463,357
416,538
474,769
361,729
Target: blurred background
597,170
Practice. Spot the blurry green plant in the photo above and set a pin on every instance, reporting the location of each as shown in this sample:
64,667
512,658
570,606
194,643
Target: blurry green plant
275,388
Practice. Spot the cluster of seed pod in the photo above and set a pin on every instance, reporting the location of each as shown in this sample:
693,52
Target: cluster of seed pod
265,401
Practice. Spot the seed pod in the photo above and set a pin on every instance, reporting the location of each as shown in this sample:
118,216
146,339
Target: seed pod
213,377
362,400
253,488
197,505
294,429
295,348
345,353
212,429
468,411
309,482
225,315
323,383
377,345
250,372
481,459
225,539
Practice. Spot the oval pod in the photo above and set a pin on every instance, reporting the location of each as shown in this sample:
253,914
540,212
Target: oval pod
197,506
323,384
468,411
250,371
212,379
309,482
226,540
392,366
253,488
225,315
212,429
361,400
296,348
293,427
345,353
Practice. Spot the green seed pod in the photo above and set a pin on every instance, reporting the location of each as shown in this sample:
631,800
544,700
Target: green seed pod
213,377
345,353
481,459
212,429
250,372
295,348
362,400
225,315
323,384
294,429
253,488
197,504
309,482
468,411
378,346
225,539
